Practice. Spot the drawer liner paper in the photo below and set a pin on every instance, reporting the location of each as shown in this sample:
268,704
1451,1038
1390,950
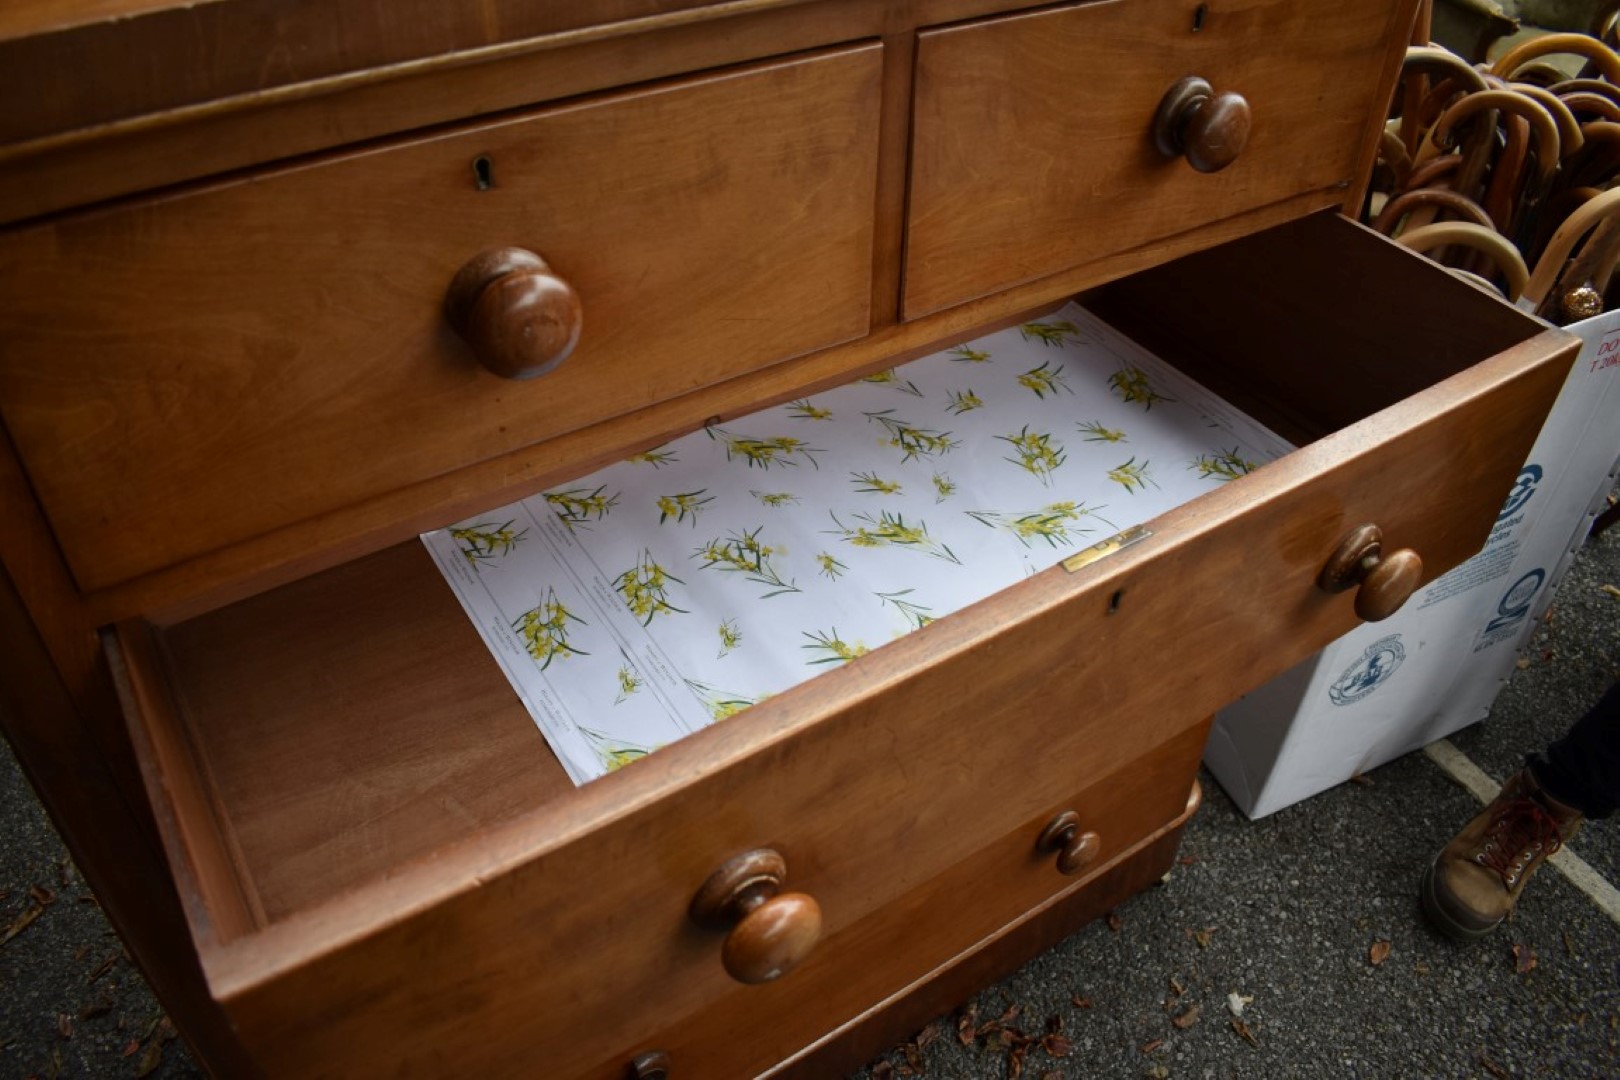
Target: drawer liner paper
680,586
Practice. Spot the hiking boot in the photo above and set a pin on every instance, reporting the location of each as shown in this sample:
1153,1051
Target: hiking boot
1474,882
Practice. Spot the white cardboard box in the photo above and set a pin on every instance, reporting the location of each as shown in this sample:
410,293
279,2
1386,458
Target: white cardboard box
1389,687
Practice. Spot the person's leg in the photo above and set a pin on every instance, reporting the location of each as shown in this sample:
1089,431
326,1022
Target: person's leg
1583,768
1473,883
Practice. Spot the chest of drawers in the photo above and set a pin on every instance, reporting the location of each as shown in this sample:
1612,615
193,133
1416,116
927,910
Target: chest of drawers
231,397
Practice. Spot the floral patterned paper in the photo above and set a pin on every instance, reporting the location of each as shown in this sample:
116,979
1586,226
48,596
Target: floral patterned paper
682,585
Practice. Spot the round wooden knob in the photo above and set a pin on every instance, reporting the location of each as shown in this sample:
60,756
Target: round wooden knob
1385,581
653,1065
771,931
1076,849
1210,130
521,319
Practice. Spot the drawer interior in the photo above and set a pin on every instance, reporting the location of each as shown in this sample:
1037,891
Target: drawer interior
322,737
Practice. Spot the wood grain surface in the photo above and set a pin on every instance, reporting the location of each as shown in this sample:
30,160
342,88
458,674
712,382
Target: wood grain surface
1033,134
283,335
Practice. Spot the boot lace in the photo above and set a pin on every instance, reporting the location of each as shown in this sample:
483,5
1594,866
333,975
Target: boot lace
1521,834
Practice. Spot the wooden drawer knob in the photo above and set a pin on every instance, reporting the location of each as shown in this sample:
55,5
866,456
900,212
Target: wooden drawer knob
771,931
653,1065
1386,581
521,319
1076,849
1210,130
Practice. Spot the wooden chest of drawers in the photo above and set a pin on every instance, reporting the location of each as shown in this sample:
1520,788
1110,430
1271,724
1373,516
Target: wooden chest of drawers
230,397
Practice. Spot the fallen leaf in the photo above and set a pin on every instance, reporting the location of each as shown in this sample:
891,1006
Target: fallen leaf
20,923
1051,1074
913,1055
1149,1047
1158,1072
1115,922
42,896
55,1068
1521,663
904,1070
64,1025
1524,959
1176,987
882,1071
130,1048
99,1007
103,967
1493,1068
1015,1062
1361,780
965,1022
1235,1002
1187,860
1081,1002
1057,1046
1243,1030
1010,1015
1188,1018
1203,936
1612,591
1421,968
929,1034
1379,952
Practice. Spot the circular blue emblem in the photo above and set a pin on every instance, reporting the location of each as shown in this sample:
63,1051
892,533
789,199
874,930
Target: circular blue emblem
1368,673
1515,603
1523,487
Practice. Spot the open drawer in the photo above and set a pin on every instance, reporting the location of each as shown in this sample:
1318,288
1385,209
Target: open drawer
384,865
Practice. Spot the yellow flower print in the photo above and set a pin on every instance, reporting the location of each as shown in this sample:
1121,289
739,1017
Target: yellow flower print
891,529
831,568
1132,386
944,487
746,554
1039,454
1131,476
1044,380
730,636
1053,522
964,354
1095,432
836,649
544,630
915,614
688,504
480,543
775,499
873,484
803,410
656,457
644,588
577,506
1057,333
890,378
778,450
1223,465
963,401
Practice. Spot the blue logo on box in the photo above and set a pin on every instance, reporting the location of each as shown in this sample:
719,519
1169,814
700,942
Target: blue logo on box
1515,603
1368,673
1523,487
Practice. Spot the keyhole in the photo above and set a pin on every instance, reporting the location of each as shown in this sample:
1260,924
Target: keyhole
483,172
1113,601
1198,17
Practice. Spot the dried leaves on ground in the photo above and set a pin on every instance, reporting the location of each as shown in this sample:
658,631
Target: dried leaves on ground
1379,952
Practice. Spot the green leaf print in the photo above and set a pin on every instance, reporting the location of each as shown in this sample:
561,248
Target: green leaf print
1131,476
720,704
778,450
963,401
1054,522
873,484
1057,333
614,753
1131,385
644,588
480,543
944,487
915,441
744,553
1223,465
891,529
577,506
688,504
834,648
629,683
803,410
964,354
1044,380
1095,432
730,637
775,499
544,630
890,378
831,568
657,457
1039,454
915,614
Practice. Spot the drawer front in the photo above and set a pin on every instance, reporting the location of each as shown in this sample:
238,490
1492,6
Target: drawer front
1033,146
193,371
564,936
